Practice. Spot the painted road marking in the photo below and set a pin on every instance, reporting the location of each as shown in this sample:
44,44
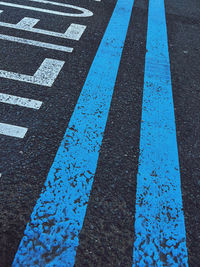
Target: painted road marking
85,12
20,101
45,75
35,43
25,23
12,130
74,31
58,216
159,221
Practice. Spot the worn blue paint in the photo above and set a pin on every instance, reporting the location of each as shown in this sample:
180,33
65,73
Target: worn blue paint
51,237
159,221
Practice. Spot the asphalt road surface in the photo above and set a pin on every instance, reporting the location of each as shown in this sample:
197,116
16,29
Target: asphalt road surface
99,133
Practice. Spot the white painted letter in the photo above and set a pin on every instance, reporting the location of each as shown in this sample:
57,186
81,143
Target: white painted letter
45,75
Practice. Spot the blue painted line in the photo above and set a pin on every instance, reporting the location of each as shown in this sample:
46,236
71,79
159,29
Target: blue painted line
160,238
51,237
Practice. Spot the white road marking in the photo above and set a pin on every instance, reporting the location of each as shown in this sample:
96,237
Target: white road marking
12,130
85,12
74,31
25,23
36,43
20,101
45,75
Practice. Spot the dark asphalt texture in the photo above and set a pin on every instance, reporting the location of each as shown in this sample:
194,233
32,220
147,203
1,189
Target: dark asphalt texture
183,22
108,233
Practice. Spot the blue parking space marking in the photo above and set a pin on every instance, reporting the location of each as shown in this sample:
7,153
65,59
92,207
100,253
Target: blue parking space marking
160,238
51,237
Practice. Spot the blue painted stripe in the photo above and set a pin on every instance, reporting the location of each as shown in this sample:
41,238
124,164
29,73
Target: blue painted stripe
159,221
51,238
